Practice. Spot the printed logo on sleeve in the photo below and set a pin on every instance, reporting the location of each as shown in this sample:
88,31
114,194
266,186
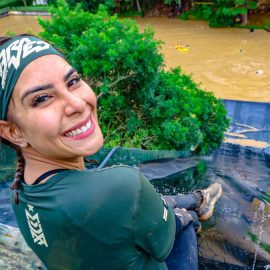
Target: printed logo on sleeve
35,226
165,214
165,209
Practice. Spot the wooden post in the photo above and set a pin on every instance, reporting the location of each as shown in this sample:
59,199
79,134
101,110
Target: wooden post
244,19
138,6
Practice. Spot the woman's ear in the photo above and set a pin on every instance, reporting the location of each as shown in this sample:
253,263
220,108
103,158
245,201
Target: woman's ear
11,133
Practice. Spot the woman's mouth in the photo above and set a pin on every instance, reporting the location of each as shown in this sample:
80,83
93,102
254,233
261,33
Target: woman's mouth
82,131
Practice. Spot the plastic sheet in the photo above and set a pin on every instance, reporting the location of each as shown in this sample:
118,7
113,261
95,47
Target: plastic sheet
238,234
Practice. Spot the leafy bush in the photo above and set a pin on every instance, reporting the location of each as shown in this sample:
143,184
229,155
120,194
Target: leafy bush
9,3
204,11
182,116
199,12
219,13
140,105
184,15
221,17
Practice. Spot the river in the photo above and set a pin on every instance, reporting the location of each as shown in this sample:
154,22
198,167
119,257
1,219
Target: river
232,63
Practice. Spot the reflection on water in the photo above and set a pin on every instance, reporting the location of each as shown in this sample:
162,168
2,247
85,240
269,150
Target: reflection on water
238,236
231,63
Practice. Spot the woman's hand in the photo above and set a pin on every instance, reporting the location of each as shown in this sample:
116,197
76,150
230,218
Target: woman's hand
184,216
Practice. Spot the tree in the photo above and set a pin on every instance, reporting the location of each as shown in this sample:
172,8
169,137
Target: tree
27,2
138,6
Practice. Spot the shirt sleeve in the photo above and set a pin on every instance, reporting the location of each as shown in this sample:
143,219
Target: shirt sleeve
154,226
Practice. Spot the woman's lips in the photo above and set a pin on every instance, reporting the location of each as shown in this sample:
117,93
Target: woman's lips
82,130
79,125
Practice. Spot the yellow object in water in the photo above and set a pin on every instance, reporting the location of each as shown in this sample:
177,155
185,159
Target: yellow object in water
181,48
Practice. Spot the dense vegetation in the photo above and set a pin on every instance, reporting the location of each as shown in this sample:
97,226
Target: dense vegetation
140,104
12,3
119,6
221,13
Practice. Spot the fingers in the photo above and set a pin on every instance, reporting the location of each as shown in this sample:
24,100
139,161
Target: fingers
184,216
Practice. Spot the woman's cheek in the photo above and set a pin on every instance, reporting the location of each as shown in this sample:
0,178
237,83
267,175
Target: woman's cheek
46,123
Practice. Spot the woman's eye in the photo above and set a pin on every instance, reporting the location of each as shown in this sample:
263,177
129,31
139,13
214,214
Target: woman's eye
39,99
74,81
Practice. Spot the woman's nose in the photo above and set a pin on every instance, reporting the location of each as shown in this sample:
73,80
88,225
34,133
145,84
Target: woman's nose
74,104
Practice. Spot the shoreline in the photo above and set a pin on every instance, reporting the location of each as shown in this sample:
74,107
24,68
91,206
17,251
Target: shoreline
24,13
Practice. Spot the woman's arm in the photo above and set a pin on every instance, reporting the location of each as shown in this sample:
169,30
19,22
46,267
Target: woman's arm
156,225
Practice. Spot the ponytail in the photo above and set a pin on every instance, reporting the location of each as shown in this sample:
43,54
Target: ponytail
16,185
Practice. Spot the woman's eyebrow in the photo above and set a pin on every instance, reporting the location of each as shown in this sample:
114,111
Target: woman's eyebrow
69,73
46,86
35,89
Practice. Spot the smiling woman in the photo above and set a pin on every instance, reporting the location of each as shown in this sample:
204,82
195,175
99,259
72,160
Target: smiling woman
49,116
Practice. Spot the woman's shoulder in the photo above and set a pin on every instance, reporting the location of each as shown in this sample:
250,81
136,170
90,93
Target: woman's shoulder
122,175
112,184
114,170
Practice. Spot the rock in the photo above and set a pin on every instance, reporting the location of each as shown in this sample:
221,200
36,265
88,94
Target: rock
14,252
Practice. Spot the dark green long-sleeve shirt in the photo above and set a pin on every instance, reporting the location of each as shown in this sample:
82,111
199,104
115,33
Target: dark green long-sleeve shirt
97,219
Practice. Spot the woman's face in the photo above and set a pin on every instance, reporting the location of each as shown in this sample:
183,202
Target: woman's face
55,111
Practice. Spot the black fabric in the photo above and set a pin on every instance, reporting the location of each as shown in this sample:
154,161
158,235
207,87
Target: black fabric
45,175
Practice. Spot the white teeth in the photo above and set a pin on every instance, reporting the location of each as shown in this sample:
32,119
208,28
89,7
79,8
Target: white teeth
80,130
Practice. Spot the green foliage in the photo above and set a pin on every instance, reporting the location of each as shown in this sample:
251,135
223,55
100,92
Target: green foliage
10,34
221,17
9,3
205,12
224,12
4,10
200,12
168,2
93,4
182,115
140,105
31,8
252,4
184,15
88,5
221,13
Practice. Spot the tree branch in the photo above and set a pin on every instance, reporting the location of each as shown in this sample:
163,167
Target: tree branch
121,78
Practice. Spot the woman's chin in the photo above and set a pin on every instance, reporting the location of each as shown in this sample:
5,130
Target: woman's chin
94,147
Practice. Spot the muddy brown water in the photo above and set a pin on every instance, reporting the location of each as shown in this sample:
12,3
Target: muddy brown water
232,63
